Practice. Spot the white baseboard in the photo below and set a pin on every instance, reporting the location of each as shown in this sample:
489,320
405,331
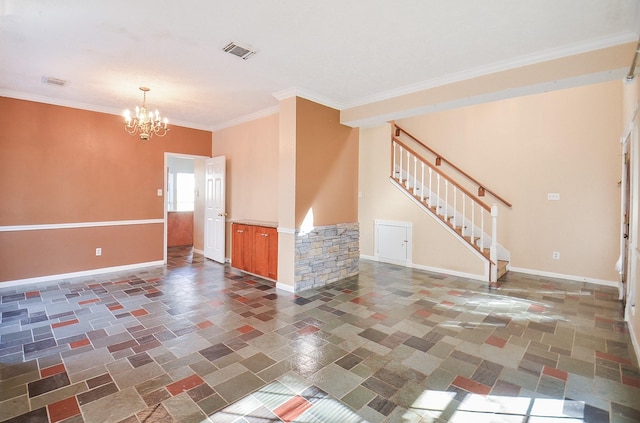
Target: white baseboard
430,269
634,340
91,272
285,287
613,284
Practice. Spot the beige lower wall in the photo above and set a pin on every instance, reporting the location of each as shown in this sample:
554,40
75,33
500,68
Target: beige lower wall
563,142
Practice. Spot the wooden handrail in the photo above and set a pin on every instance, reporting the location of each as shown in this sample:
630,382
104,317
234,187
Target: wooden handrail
439,172
482,187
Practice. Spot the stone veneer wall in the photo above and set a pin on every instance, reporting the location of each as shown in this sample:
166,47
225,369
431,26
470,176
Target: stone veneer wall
326,254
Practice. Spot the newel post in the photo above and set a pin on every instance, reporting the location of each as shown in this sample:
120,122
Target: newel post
493,250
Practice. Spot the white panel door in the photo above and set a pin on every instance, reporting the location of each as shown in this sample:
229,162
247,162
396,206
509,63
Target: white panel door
393,241
215,212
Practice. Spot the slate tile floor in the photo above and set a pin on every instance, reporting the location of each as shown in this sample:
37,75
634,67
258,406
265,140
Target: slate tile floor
197,341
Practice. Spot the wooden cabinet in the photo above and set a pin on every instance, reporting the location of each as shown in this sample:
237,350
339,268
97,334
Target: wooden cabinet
254,249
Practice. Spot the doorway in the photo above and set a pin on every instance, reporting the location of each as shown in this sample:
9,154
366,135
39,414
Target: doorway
184,202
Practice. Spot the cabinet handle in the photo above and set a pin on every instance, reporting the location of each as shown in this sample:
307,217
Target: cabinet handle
239,231
264,234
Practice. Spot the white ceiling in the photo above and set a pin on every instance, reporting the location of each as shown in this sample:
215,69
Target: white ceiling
342,53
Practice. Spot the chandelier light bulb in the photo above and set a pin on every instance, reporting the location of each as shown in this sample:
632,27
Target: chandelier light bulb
145,124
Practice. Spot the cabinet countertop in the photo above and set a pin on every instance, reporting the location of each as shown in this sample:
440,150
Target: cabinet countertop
255,223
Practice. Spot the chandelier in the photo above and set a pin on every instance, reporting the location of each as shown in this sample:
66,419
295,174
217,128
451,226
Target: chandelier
147,124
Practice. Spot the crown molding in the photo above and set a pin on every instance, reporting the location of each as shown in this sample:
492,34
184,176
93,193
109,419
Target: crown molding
247,118
505,65
308,95
86,106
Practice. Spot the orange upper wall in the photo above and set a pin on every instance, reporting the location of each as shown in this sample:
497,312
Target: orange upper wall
61,165
326,166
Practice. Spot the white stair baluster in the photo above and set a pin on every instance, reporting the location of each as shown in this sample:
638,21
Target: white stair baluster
422,183
446,199
430,187
395,163
438,194
464,213
408,169
400,165
415,175
455,206
481,229
473,219
493,250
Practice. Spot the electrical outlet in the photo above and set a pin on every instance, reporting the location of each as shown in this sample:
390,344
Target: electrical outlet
556,255
98,251
553,196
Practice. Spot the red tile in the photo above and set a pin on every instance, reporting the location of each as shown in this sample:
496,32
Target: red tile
66,323
32,294
292,409
447,303
347,291
307,330
215,303
455,292
471,386
423,313
64,409
558,374
53,370
424,292
242,299
629,381
245,329
115,307
379,316
184,384
139,312
496,341
358,300
535,308
93,300
80,343
611,357
204,324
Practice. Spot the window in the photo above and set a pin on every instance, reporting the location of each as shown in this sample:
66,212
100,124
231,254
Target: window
185,191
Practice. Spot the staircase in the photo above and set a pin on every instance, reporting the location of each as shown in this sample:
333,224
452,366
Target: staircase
444,198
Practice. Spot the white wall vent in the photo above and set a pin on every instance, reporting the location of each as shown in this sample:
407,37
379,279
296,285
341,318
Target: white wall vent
54,81
243,52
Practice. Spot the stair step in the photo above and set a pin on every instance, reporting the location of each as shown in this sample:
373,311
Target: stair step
502,268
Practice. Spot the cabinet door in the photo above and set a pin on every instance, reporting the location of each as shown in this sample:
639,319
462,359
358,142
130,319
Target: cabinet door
261,247
241,247
273,254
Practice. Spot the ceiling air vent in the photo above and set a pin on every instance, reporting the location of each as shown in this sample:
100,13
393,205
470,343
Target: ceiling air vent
242,52
54,81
